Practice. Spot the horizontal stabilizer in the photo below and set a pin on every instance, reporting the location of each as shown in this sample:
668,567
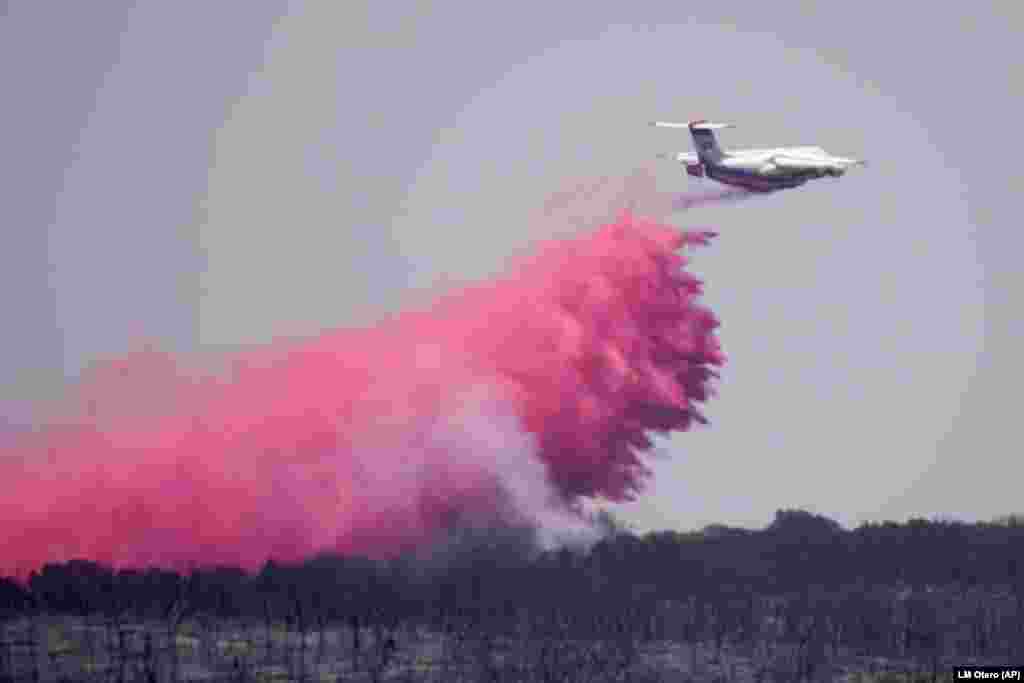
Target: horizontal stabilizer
692,125
708,125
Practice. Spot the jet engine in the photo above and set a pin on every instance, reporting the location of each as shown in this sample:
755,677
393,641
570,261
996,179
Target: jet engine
695,170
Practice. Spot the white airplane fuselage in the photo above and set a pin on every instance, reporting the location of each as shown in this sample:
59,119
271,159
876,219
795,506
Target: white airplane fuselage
754,169
758,170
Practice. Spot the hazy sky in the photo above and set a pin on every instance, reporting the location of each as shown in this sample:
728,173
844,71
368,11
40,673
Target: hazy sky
211,174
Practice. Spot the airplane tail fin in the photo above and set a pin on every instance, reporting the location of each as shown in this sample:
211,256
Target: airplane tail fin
703,134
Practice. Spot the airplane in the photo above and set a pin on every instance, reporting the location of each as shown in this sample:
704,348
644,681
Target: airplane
757,170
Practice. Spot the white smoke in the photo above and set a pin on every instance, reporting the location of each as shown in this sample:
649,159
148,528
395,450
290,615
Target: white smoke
484,431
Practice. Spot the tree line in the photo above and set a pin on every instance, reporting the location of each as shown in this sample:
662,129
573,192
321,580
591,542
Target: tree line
796,550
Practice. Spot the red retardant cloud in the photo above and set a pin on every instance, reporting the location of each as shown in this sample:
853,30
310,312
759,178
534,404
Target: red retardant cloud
517,396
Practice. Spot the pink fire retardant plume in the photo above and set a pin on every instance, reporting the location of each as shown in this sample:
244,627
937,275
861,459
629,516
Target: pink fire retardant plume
514,398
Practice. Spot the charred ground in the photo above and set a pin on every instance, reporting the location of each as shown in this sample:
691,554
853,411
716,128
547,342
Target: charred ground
801,599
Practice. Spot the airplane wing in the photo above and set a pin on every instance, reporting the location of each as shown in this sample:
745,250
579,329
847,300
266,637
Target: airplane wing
799,161
788,161
805,151
682,157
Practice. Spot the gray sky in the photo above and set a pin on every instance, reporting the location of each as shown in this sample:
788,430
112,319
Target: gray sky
211,174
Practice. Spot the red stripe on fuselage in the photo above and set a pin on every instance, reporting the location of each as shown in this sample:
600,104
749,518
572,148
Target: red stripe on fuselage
755,182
